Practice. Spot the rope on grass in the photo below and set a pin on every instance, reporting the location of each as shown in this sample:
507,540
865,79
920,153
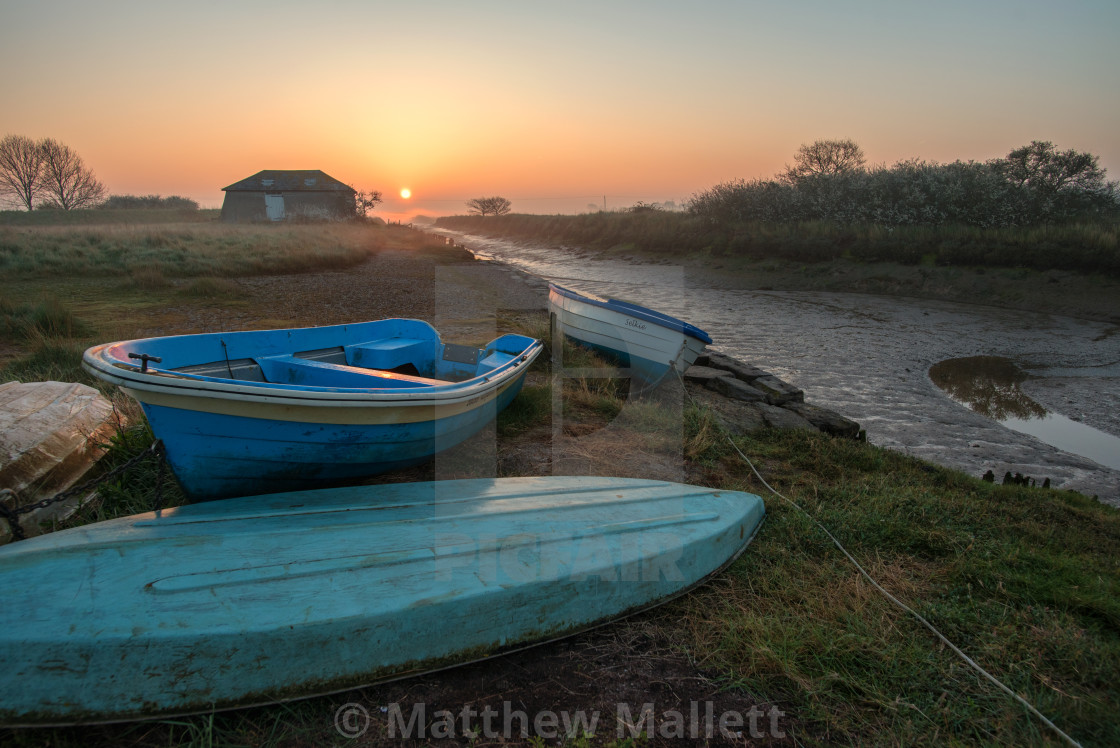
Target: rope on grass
906,608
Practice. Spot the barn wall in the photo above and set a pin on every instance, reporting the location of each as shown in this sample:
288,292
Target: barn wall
317,205
241,206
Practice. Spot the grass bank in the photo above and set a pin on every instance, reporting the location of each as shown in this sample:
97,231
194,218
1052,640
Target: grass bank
182,250
117,281
1070,270
1085,248
1025,580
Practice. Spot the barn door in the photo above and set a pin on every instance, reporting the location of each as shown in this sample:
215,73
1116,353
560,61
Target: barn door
274,207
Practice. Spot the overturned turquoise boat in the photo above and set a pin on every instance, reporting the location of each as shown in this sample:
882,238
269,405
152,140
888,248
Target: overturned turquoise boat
254,412
265,599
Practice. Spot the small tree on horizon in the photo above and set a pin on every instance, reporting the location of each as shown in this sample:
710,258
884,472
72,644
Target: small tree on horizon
825,157
365,201
489,206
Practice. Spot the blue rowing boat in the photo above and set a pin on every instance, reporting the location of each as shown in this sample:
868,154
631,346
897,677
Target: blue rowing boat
271,598
254,412
648,343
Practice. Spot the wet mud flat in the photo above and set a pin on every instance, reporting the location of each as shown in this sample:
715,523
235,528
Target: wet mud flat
868,357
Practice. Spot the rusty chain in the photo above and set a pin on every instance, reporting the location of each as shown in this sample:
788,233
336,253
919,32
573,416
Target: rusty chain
13,514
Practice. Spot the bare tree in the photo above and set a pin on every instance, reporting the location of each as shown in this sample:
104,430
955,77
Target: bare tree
21,168
489,206
825,157
364,201
67,181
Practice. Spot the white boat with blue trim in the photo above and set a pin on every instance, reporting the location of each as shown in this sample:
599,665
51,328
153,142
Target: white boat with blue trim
252,412
648,343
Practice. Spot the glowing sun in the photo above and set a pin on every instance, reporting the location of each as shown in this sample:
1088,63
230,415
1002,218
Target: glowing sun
406,193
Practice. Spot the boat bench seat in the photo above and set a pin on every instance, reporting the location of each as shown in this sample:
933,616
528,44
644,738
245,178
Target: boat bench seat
390,353
288,369
493,361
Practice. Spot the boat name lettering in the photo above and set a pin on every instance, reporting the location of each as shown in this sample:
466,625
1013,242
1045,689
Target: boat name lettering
635,324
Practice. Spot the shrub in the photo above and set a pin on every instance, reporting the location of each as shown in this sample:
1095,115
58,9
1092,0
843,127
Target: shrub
148,202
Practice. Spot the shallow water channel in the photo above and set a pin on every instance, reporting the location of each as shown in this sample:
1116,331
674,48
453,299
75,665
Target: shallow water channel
870,358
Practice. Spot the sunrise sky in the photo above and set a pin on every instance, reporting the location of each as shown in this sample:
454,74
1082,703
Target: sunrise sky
553,105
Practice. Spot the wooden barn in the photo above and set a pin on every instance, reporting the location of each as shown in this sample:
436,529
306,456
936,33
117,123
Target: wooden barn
278,195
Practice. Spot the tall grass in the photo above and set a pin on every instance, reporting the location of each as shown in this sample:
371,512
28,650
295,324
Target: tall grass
108,216
24,322
184,250
51,359
1084,247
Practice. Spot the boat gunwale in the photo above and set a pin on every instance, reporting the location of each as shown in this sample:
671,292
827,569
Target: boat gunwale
126,375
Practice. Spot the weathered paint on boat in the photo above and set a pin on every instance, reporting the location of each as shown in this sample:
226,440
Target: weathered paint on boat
271,598
270,410
648,343
51,434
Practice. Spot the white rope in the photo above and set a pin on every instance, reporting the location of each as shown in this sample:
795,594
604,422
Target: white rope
944,640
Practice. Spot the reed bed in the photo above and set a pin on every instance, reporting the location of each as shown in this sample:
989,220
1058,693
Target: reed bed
1080,247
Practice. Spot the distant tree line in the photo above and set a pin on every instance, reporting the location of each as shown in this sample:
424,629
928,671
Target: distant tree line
148,202
1033,185
46,174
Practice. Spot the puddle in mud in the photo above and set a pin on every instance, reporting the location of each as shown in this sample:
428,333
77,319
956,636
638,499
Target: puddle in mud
990,385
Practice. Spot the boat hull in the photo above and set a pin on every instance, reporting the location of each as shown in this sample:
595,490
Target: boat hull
270,598
649,344
217,455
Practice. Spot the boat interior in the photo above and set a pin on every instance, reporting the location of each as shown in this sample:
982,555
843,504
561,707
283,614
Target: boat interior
389,362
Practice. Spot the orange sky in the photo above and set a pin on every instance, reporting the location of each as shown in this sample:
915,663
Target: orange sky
553,107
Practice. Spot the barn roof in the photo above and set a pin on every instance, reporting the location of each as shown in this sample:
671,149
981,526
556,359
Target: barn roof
289,180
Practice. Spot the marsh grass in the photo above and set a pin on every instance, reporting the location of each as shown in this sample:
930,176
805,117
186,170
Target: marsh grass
148,278
704,440
184,250
107,217
1025,580
1080,247
138,489
532,408
31,322
51,359
596,397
